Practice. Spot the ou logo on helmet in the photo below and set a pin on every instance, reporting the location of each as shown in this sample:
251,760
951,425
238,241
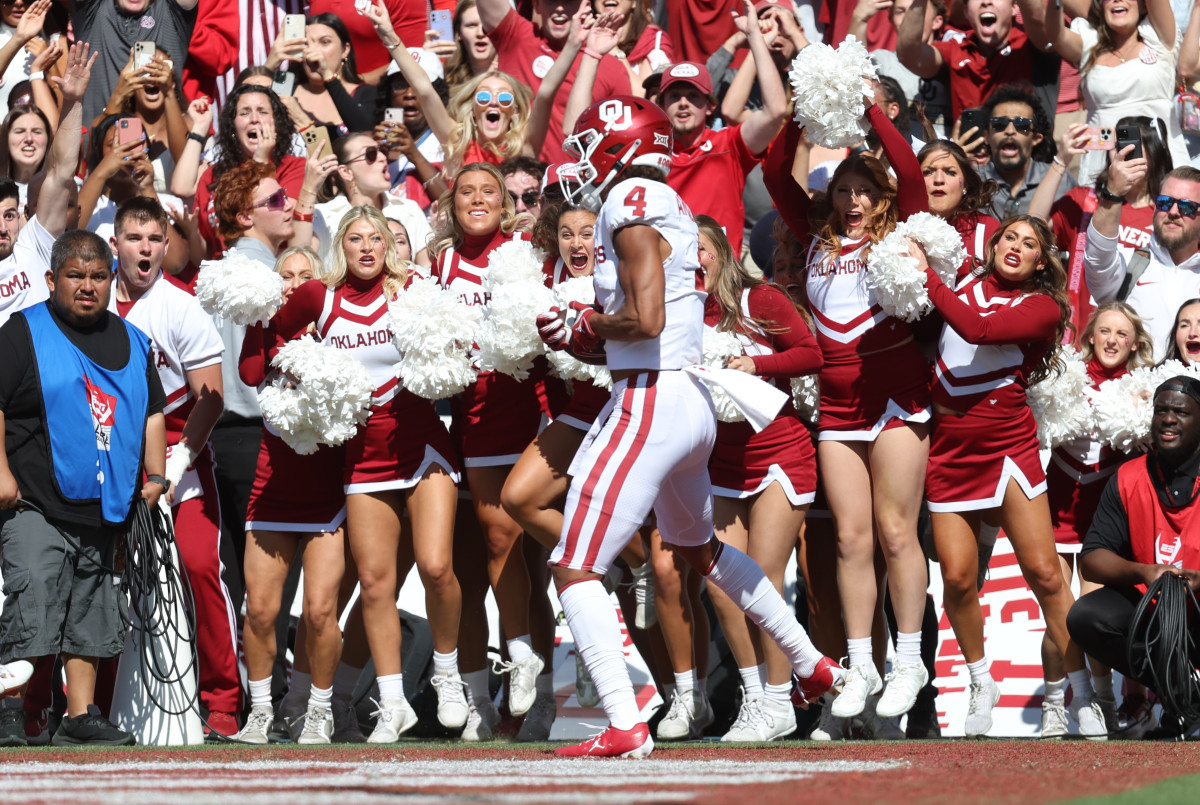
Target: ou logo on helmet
617,115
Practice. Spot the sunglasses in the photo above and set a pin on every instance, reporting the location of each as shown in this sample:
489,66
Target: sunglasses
503,99
1187,208
1022,124
276,201
530,198
369,155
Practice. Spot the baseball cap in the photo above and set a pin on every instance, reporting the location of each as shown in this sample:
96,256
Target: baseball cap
687,72
430,63
562,170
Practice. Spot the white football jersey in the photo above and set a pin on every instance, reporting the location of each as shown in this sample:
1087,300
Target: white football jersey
654,204
23,273
183,337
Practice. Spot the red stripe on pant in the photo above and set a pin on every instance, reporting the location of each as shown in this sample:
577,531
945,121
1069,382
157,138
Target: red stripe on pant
618,481
198,537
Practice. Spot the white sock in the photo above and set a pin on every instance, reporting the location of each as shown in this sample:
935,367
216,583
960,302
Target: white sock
1103,685
298,683
593,623
445,664
980,670
1056,691
260,692
779,693
318,697
390,686
751,681
520,647
908,648
1081,682
736,575
345,679
859,651
685,680
544,684
477,681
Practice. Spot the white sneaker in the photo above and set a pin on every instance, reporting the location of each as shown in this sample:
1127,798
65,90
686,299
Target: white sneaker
984,696
749,724
452,707
690,713
861,681
318,726
877,727
829,727
522,682
14,674
900,693
539,720
346,729
1054,720
1087,713
645,614
393,718
1135,718
778,718
585,689
481,720
258,724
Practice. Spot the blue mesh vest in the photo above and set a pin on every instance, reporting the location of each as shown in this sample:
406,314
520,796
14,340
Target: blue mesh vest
95,418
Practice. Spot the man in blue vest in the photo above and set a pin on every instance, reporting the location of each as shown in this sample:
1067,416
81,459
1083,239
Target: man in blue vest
81,413
1147,524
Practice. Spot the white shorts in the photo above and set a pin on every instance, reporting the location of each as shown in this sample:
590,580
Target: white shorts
648,450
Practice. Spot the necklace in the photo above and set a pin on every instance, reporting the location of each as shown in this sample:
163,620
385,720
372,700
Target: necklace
1117,52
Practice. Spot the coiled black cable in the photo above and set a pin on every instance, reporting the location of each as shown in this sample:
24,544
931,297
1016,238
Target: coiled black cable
1161,647
159,594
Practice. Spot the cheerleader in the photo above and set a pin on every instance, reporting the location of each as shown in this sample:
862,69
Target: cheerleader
762,482
1003,327
873,437
495,419
956,193
401,459
293,508
1113,342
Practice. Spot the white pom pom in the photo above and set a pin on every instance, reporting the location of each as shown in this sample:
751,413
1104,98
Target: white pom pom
1124,406
828,88
1059,403
434,331
239,288
508,339
566,366
718,347
328,400
897,279
806,396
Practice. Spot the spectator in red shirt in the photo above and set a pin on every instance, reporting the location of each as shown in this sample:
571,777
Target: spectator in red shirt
994,53
408,18
527,53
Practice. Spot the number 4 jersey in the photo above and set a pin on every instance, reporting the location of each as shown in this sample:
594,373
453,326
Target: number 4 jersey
650,203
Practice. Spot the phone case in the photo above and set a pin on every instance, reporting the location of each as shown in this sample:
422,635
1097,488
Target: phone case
293,26
443,23
143,54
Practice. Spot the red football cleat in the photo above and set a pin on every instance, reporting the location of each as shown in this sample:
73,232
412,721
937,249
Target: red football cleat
828,676
632,743
222,723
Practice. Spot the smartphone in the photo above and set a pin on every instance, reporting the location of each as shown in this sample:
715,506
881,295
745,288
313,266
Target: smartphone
393,114
129,129
973,118
293,26
442,22
316,140
143,53
1130,135
284,82
1099,138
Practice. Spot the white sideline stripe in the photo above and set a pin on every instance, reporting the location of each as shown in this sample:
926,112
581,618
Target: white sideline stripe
317,783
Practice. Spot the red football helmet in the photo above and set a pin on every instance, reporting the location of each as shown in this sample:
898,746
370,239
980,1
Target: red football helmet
611,135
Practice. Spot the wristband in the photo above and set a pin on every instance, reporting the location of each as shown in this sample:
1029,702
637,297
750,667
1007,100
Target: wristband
40,75
303,129
589,52
393,46
303,217
165,483
425,184
1107,195
191,135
